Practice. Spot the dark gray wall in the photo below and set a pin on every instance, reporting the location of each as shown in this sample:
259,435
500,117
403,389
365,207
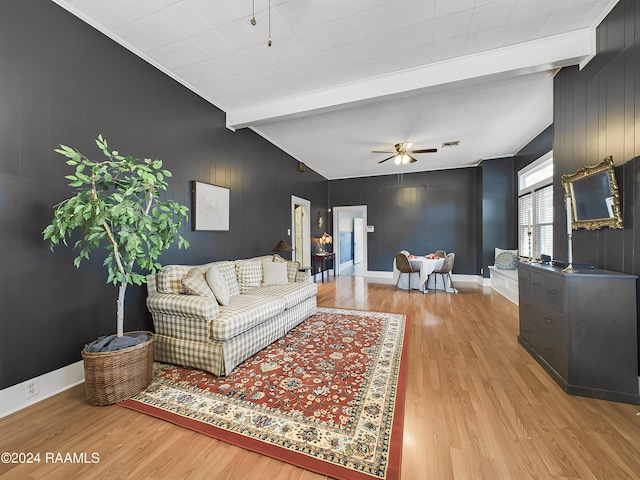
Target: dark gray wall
532,151
597,114
61,81
419,212
499,193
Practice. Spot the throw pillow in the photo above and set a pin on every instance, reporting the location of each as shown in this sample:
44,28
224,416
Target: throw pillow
274,273
292,267
194,283
506,261
218,285
228,270
249,275
500,250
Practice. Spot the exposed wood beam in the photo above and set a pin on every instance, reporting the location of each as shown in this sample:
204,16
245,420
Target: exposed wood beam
547,53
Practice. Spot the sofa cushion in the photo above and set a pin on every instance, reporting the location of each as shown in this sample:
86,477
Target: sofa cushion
228,270
194,283
291,293
292,267
218,285
274,273
249,275
242,313
170,278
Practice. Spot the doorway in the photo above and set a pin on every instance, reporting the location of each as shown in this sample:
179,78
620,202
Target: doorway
301,230
350,240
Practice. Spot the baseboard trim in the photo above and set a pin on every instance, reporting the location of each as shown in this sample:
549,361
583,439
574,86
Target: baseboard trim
13,398
456,277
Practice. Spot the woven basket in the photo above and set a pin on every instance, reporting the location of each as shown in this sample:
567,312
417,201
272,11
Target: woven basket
112,377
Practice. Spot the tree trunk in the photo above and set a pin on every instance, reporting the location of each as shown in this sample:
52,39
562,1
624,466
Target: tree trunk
121,291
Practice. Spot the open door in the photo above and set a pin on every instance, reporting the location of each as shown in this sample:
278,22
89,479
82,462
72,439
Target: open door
350,240
358,240
301,230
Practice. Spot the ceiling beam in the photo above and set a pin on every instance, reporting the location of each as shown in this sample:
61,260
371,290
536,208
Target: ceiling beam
547,53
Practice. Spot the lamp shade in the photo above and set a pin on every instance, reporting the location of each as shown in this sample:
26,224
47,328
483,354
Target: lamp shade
282,246
326,238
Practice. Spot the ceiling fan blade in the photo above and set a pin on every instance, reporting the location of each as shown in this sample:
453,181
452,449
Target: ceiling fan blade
382,161
412,160
426,150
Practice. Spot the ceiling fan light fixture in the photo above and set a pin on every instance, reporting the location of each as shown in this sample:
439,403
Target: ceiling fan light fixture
397,159
405,158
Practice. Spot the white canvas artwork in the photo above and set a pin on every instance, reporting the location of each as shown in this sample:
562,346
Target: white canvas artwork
211,207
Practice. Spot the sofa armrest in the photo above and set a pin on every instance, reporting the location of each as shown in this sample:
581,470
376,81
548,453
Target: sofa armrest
181,305
302,277
152,284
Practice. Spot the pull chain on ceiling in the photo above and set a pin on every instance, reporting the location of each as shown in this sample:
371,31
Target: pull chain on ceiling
253,19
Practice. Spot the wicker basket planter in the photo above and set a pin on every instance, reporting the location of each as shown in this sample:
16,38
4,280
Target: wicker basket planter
112,377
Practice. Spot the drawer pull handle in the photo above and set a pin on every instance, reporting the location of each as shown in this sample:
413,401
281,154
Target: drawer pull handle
551,290
536,284
528,332
523,279
549,351
548,320
527,306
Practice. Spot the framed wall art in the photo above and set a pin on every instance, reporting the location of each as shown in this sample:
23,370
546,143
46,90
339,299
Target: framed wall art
210,207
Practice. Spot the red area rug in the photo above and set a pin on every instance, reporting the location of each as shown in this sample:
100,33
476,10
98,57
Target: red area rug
328,397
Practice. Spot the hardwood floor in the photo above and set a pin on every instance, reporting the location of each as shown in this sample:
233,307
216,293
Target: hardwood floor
477,406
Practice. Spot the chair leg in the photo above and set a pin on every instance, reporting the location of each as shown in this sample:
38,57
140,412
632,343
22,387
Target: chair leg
451,282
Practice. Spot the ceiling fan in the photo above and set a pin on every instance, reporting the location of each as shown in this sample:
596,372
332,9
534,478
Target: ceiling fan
403,153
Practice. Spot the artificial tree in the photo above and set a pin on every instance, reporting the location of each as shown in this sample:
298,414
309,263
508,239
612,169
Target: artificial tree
116,206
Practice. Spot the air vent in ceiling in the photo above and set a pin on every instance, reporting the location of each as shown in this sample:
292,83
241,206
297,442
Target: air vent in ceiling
450,144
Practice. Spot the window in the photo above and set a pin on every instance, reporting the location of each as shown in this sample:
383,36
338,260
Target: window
535,208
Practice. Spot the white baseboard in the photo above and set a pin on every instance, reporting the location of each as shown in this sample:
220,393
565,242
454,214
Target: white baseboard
14,398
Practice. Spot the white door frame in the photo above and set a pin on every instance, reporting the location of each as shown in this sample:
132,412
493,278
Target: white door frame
306,229
336,237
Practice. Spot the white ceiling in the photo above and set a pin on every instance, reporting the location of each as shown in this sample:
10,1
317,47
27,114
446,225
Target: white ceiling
344,77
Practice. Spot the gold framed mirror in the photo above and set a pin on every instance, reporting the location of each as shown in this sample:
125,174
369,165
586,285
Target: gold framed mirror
594,197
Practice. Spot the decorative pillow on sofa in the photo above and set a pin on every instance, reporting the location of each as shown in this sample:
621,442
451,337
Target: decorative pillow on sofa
228,270
274,273
506,261
249,275
292,267
194,283
218,285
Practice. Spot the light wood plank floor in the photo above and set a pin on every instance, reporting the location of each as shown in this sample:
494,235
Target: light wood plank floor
477,406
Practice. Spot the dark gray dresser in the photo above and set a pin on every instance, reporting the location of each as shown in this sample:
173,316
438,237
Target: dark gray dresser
582,328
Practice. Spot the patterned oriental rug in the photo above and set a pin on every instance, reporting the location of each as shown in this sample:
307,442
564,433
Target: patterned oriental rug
327,397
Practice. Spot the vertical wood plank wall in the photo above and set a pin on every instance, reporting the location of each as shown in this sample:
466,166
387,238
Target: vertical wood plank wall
61,81
597,114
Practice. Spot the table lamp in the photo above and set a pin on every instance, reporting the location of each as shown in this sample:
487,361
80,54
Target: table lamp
325,239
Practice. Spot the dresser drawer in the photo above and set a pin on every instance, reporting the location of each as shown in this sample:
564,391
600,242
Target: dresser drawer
537,286
554,291
549,321
523,281
550,350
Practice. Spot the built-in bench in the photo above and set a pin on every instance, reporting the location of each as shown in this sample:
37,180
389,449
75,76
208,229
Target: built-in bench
505,282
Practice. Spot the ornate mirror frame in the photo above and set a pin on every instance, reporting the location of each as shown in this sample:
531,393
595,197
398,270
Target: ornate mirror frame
569,184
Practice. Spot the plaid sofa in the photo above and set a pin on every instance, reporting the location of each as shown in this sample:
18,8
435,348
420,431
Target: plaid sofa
193,329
